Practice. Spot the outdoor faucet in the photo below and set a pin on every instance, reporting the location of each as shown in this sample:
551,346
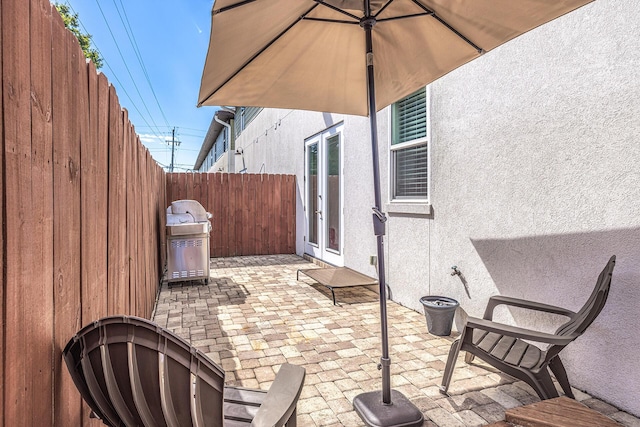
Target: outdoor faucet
456,271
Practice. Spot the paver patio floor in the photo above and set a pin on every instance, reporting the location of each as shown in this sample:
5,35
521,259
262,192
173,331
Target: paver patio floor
254,315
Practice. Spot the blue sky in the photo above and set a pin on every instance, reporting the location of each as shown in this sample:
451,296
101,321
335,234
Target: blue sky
171,39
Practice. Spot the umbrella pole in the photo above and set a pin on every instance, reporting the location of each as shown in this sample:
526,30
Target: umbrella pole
379,220
373,410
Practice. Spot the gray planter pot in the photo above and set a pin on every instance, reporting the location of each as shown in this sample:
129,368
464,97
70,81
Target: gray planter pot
439,312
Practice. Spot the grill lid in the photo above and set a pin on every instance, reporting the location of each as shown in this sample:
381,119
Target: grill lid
191,207
186,211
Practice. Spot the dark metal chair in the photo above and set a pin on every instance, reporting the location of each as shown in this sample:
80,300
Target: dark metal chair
132,372
503,346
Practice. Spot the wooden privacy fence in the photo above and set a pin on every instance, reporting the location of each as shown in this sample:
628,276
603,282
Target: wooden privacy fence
252,214
83,212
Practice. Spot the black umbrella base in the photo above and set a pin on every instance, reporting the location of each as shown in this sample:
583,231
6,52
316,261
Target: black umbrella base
399,413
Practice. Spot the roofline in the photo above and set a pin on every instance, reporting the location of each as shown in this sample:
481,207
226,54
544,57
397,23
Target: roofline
212,134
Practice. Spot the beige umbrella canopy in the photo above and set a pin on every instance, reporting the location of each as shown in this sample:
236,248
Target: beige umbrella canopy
267,53
355,57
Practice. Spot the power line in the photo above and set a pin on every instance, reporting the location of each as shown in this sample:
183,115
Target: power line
160,126
115,76
136,49
125,63
202,133
196,130
154,130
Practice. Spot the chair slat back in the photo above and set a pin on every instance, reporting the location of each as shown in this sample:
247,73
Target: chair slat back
594,305
132,372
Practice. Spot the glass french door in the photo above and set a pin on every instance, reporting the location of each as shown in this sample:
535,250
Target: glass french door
323,196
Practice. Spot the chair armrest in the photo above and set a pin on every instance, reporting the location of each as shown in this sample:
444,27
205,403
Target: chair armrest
281,399
496,300
517,332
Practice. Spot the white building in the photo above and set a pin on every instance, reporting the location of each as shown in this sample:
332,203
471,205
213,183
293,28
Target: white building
524,173
214,153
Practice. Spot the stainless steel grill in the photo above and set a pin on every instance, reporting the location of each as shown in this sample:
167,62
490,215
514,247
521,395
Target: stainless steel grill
188,228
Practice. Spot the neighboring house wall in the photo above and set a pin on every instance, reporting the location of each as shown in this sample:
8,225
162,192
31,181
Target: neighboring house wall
214,152
217,159
534,184
222,164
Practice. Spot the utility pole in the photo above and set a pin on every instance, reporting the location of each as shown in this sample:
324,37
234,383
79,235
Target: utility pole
174,142
173,147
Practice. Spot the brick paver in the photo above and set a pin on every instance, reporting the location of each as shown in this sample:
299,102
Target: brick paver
254,315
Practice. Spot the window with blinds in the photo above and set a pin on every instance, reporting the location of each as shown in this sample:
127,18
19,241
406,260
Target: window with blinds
244,116
410,147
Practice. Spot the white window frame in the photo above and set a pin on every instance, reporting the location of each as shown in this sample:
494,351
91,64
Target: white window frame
400,204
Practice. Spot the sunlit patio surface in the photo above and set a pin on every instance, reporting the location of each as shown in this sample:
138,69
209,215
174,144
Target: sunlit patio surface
254,315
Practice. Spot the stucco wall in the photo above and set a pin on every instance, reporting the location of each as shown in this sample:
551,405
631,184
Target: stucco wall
535,184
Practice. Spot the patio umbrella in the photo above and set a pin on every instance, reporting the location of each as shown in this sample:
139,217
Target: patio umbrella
356,57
